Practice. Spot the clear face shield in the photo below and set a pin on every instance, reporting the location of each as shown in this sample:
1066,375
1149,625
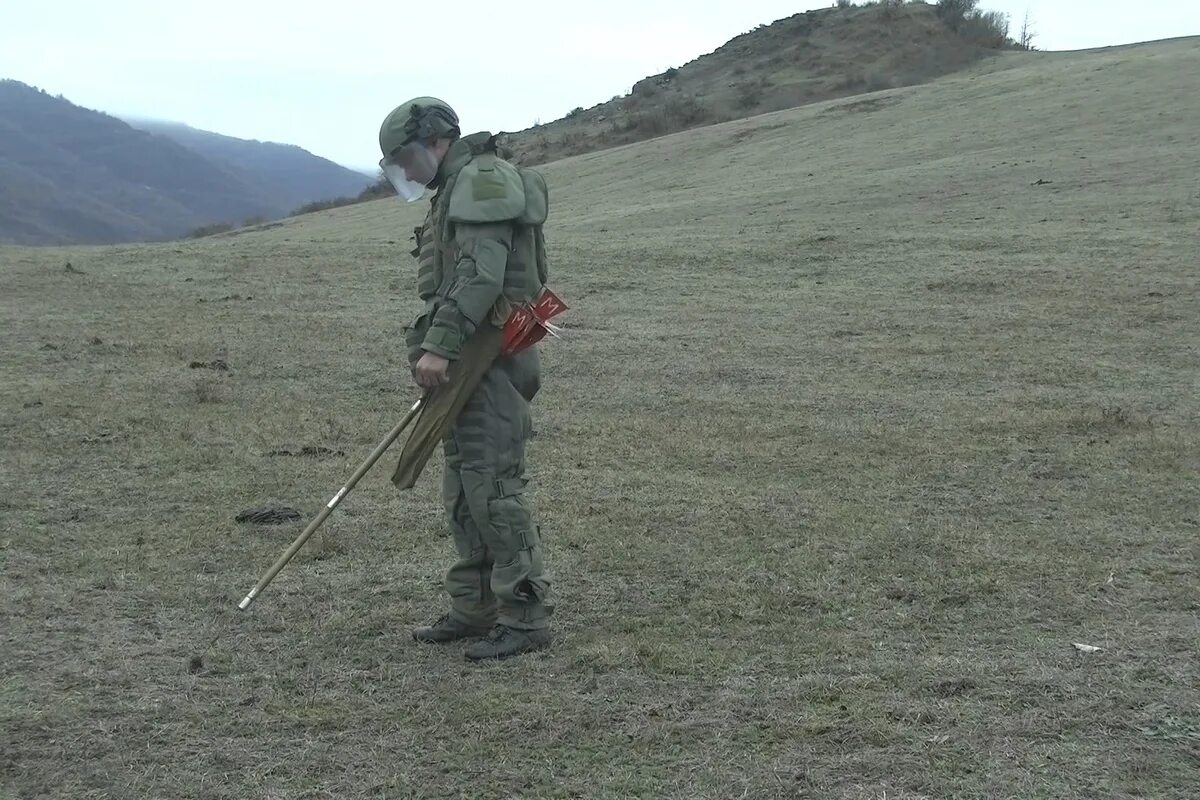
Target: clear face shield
410,170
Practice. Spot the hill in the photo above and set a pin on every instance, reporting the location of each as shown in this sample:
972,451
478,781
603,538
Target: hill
806,58
289,175
68,174
73,175
865,414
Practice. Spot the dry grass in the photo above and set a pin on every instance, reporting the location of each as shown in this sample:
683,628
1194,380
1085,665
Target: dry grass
857,429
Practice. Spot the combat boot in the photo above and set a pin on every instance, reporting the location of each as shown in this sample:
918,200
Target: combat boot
504,642
448,629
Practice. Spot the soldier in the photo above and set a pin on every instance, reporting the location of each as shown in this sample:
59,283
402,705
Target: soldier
479,252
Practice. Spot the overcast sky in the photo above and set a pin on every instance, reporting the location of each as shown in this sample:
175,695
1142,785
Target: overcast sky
323,75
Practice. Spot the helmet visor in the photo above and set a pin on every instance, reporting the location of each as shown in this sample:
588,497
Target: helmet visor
410,169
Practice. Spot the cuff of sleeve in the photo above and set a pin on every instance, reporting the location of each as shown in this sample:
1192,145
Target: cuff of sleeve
442,342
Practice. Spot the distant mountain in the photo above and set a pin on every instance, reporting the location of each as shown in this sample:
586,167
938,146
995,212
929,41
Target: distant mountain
69,175
289,175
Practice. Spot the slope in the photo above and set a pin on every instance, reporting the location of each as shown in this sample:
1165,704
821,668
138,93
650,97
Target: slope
288,175
866,412
805,58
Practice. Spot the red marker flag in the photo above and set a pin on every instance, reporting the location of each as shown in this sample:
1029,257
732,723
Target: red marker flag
528,325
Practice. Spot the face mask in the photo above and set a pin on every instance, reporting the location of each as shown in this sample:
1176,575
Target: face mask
410,170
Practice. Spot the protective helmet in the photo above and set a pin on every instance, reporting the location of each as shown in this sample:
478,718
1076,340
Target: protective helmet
421,119
406,139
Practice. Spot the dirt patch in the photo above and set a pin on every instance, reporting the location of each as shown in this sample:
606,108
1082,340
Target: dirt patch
220,365
268,515
901,594
307,451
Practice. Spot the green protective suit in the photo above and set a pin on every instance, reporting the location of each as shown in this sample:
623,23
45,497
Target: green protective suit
479,252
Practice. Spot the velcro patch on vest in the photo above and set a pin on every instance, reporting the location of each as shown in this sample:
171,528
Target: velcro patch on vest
488,186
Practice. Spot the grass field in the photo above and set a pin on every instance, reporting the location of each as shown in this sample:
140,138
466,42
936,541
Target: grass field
867,413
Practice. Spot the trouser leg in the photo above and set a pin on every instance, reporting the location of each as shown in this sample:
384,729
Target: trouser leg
468,581
486,476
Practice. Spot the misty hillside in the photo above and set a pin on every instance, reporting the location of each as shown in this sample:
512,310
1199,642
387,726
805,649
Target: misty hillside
290,175
70,175
806,58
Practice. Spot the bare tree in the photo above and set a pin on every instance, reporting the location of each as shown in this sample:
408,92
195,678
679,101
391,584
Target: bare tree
1027,32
